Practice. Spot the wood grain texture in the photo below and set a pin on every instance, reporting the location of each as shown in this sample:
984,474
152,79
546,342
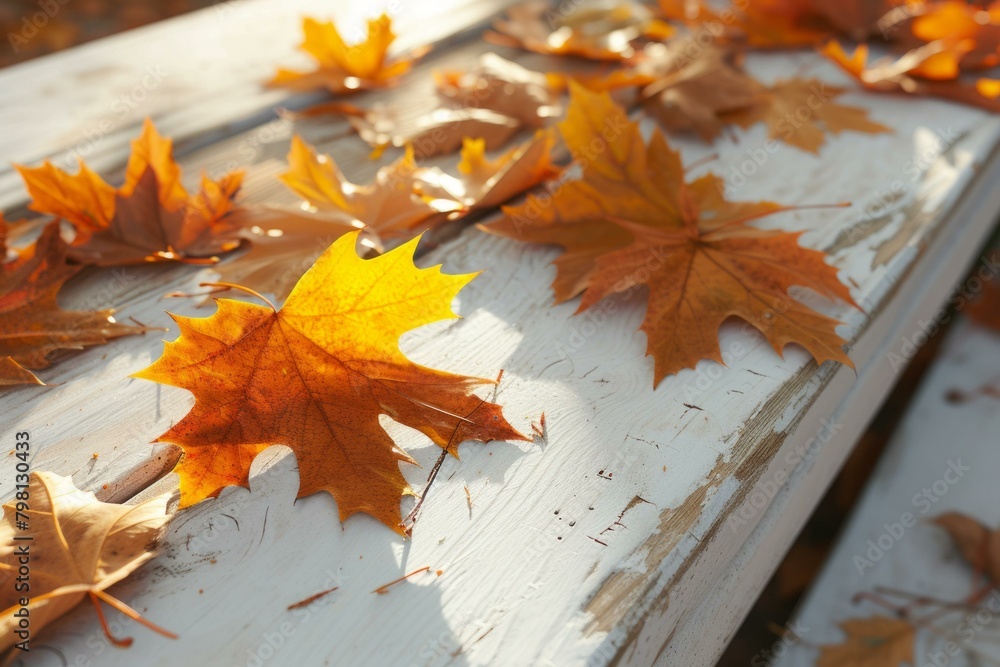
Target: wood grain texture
594,546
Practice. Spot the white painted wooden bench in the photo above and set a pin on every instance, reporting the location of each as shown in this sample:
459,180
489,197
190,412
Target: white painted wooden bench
943,458
643,527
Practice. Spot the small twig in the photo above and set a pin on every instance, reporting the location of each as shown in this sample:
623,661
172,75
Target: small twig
384,588
312,598
411,518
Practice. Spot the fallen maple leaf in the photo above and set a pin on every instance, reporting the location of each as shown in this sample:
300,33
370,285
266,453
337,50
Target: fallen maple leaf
492,102
486,183
597,33
979,545
32,325
150,218
631,220
958,21
684,93
781,23
684,85
437,132
878,641
346,68
388,205
316,375
504,87
78,547
800,111
928,70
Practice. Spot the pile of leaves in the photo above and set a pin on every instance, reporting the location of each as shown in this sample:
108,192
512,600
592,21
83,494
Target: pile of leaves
317,373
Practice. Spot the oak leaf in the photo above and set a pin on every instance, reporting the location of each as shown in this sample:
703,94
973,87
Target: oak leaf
150,218
596,33
631,220
32,326
343,68
928,70
878,641
389,205
316,375
79,547
800,112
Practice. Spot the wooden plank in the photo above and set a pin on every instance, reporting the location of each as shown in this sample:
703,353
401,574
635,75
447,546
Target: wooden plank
936,431
200,76
557,562
707,632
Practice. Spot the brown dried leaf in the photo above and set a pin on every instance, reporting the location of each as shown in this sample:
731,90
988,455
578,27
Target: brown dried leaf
597,33
801,111
878,641
32,326
502,86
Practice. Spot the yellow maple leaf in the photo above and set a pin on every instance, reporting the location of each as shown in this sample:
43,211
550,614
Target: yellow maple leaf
316,375
343,67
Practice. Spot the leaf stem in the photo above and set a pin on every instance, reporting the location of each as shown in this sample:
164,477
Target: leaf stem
241,288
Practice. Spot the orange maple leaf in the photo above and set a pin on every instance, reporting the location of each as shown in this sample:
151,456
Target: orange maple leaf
800,112
928,70
150,218
960,22
346,68
316,375
485,183
32,326
632,220
878,641
389,205
782,23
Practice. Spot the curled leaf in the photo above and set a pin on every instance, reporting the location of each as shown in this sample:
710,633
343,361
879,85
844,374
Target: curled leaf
605,32
79,547
388,205
928,70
